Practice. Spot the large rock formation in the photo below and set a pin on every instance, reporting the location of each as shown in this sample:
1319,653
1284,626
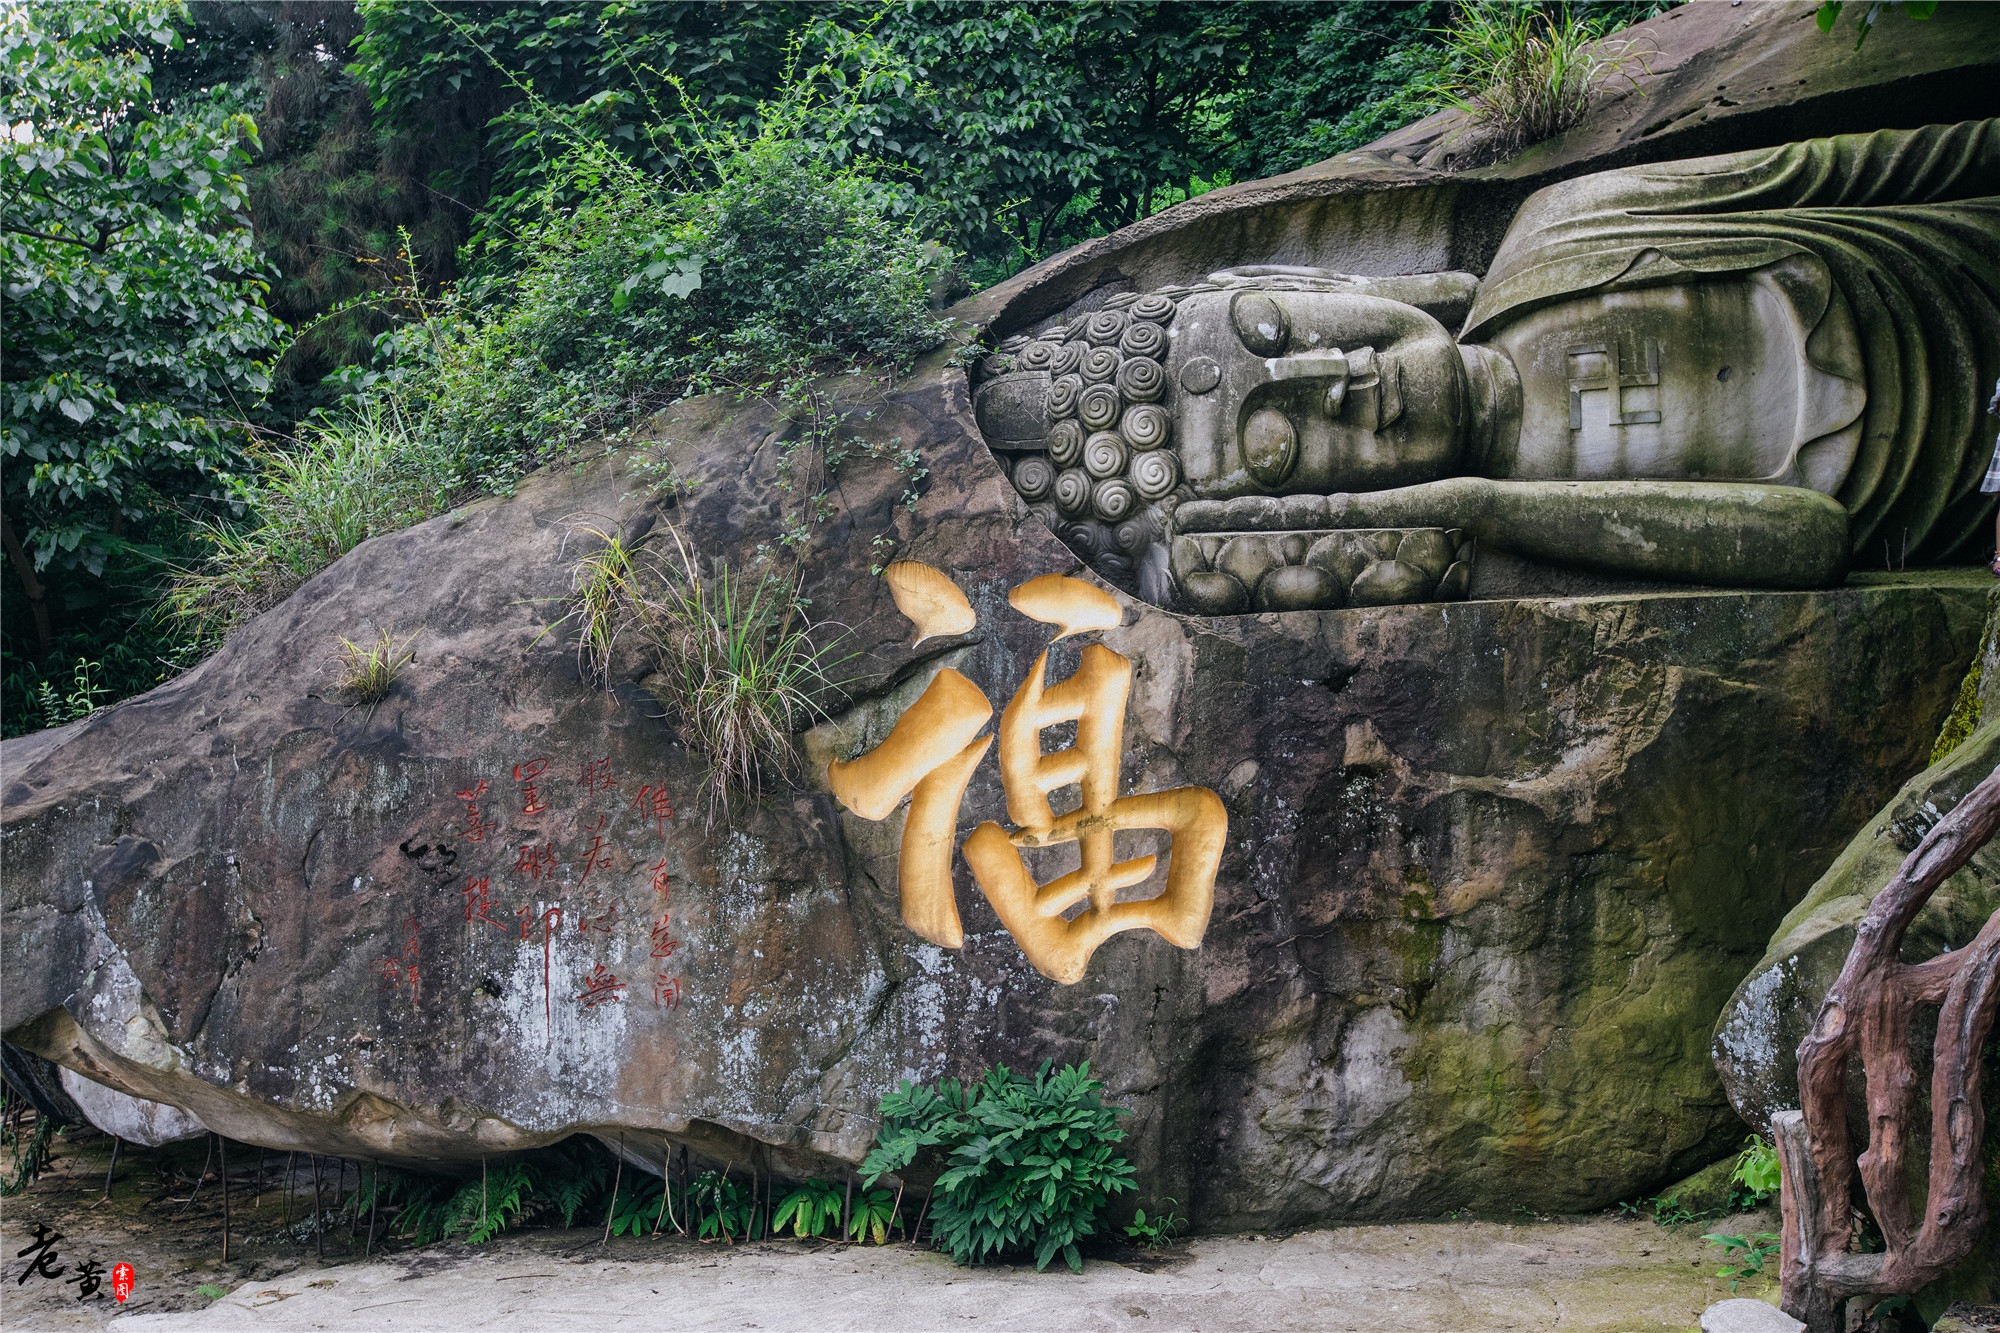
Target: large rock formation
1758,1034
1492,867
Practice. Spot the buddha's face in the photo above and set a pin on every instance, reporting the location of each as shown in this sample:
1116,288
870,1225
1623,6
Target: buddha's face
1286,392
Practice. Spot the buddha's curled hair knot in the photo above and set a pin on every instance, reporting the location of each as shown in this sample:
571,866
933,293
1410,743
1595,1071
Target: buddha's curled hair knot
1063,393
1113,501
1154,474
1036,356
1072,491
1146,426
1100,365
1105,327
1066,444
1140,379
1097,407
1144,339
1105,454
1035,478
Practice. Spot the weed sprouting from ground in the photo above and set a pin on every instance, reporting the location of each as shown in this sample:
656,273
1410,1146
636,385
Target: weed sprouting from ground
369,671
1157,1231
1745,1255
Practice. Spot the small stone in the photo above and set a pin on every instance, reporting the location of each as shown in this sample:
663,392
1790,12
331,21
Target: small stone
1743,1315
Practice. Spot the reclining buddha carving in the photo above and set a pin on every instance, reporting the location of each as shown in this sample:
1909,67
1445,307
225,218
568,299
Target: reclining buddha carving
1742,370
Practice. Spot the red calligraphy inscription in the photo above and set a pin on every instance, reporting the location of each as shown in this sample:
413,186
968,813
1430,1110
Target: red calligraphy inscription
476,826
525,774
395,973
653,803
551,921
667,991
664,942
478,895
601,987
606,921
595,775
596,856
535,862
660,880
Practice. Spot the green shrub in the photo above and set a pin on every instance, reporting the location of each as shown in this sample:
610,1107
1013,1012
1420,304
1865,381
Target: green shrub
621,295
1029,1163
1755,1178
634,295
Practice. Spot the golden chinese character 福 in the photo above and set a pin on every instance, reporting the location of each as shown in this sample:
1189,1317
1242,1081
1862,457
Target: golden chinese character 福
935,745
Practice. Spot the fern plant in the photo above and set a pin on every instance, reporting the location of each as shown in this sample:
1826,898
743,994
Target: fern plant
425,1209
1030,1163
813,1209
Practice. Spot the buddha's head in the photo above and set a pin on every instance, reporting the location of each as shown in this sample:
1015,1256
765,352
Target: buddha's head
1264,381
1281,392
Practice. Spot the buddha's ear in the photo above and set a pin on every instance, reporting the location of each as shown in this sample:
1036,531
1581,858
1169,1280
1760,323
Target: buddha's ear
1012,409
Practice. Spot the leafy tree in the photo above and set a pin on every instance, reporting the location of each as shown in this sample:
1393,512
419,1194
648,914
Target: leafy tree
1356,74
1024,127
136,332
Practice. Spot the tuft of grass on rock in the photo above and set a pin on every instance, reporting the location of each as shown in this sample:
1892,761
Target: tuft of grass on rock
1524,73
368,672
734,659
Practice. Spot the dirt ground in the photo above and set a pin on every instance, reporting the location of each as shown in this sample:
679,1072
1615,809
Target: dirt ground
1603,1273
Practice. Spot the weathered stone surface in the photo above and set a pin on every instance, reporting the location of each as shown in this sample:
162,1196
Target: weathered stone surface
1492,868
1743,1315
1758,1035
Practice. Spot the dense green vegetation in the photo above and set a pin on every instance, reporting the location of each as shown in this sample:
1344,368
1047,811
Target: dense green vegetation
1026,1164
285,275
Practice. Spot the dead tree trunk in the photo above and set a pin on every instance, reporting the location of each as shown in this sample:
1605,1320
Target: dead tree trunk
1868,1011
